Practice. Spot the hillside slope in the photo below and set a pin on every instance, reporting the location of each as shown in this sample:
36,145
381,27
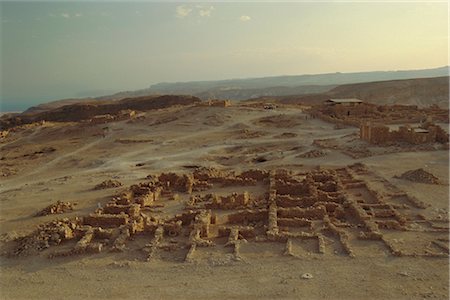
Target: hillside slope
422,92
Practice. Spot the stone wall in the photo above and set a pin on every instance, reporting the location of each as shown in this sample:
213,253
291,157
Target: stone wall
379,134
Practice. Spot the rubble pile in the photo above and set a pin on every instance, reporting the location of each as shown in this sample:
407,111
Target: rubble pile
56,208
107,184
46,235
419,175
313,154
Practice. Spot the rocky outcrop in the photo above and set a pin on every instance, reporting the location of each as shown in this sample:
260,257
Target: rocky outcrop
88,110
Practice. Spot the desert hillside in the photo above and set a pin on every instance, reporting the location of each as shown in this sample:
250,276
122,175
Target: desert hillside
422,92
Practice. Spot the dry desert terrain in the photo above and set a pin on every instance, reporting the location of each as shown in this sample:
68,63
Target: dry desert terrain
222,211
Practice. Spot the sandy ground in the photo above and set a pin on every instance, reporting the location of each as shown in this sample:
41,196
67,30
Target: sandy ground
176,139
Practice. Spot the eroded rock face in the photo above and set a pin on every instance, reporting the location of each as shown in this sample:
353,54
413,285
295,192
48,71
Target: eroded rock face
419,175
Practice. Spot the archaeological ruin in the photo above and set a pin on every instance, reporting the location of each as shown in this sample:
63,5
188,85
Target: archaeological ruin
382,134
335,211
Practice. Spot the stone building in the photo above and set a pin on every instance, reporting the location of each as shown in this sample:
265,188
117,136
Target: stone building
376,133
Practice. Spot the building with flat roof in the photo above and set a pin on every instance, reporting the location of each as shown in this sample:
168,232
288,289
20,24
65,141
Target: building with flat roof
347,101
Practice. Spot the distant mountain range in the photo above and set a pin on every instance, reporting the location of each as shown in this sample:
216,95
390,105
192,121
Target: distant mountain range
241,89
289,82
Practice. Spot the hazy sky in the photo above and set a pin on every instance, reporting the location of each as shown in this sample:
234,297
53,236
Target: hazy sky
53,50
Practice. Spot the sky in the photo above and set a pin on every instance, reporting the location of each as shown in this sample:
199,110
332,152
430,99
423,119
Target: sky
56,50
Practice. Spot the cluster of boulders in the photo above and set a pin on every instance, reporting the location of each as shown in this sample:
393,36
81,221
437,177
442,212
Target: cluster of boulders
46,235
419,175
56,208
107,184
